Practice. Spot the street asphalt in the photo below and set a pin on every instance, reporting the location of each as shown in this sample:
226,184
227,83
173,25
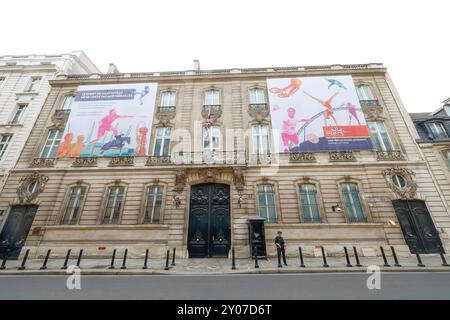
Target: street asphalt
352,286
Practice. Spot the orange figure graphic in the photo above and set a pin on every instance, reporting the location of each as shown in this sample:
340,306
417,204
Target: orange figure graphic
328,108
141,141
65,146
77,147
287,91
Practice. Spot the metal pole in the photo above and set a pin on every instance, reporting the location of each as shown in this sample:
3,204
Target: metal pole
112,259
441,253
173,256
256,257
386,264
325,264
419,264
5,258
66,259
167,260
24,261
395,257
124,262
233,260
79,258
44,265
145,259
302,264
356,257
347,257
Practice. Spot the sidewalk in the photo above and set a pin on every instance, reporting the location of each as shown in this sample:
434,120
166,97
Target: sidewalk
432,263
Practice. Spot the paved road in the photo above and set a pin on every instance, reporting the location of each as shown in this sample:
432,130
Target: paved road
406,285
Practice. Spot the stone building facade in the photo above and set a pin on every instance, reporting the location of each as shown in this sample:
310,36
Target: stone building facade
157,197
23,89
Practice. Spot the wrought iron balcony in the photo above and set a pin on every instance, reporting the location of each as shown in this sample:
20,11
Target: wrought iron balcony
258,107
42,162
389,155
262,158
84,162
369,103
210,157
166,109
121,161
215,108
301,157
158,160
62,113
341,156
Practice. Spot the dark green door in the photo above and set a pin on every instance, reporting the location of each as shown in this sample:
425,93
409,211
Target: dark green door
15,230
417,227
209,229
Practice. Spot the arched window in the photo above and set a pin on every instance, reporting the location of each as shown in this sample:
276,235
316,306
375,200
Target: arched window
167,101
212,97
74,204
153,203
309,203
51,144
260,138
257,96
162,141
352,202
266,201
114,202
364,92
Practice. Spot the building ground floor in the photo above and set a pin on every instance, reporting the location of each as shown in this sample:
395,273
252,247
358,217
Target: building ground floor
205,211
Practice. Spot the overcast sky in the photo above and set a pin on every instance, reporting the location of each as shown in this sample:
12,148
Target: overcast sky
411,38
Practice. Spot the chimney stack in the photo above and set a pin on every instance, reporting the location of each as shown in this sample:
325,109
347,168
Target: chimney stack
196,65
113,68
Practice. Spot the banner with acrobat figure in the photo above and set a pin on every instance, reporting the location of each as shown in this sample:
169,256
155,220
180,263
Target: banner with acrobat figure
109,120
317,114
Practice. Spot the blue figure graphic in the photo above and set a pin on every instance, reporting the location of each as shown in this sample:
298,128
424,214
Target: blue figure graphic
334,82
118,143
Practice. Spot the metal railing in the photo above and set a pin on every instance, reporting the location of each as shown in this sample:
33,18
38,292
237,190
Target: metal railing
369,103
166,109
62,113
259,107
213,107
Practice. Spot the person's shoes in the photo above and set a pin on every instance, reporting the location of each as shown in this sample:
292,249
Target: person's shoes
280,266
285,264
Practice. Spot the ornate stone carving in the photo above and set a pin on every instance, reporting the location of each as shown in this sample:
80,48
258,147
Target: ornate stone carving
238,179
42,163
158,160
121,161
166,116
27,194
216,112
389,155
180,181
60,117
258,112
408,192
342,156
374,113
84,162
301,157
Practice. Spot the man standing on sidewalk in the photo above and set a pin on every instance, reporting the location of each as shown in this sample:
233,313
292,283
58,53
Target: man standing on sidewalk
281,245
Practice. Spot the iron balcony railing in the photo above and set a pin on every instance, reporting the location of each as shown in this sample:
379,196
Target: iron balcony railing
215,108
369,103
259,107
62,113
210,157
166,109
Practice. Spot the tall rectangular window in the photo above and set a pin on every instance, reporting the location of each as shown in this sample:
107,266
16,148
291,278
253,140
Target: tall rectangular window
162,142
257,96
364,92
212,98
266,198
4,142
67,103
73,208
352,202
308,200
260,138
168,99
114,202
446,154
33,84
438,130
19,113
51,144
211,138
380,137
153,204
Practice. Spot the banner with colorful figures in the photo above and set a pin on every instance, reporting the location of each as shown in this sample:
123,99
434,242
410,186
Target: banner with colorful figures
317,114
109,120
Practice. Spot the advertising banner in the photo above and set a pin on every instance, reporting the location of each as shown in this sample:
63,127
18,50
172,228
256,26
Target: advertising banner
317,114
109,120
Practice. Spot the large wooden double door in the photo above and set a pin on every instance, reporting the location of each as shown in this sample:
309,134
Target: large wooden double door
209,231
418,228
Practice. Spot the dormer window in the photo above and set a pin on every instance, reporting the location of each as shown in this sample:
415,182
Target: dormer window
438,130
447,109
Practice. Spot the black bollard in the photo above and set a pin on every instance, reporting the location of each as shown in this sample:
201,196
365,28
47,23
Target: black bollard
302,264
347,257
395,257
256,257
66,259
167,260
44,265
145,259
356,257
233,260
79,258
173,257
441,253
24,261
112,259
419,264
124,262
5,258
325,264
386,264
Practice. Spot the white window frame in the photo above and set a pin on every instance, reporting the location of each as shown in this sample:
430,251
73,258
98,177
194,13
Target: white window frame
214,133
260,135
33,84
118,200
78,203
354,217
67,102
446,155
257,96
364,92
21,107
54,143
212,97
168,98
154,193
377,134
4,143
437,128
309,194
164,136
265,191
